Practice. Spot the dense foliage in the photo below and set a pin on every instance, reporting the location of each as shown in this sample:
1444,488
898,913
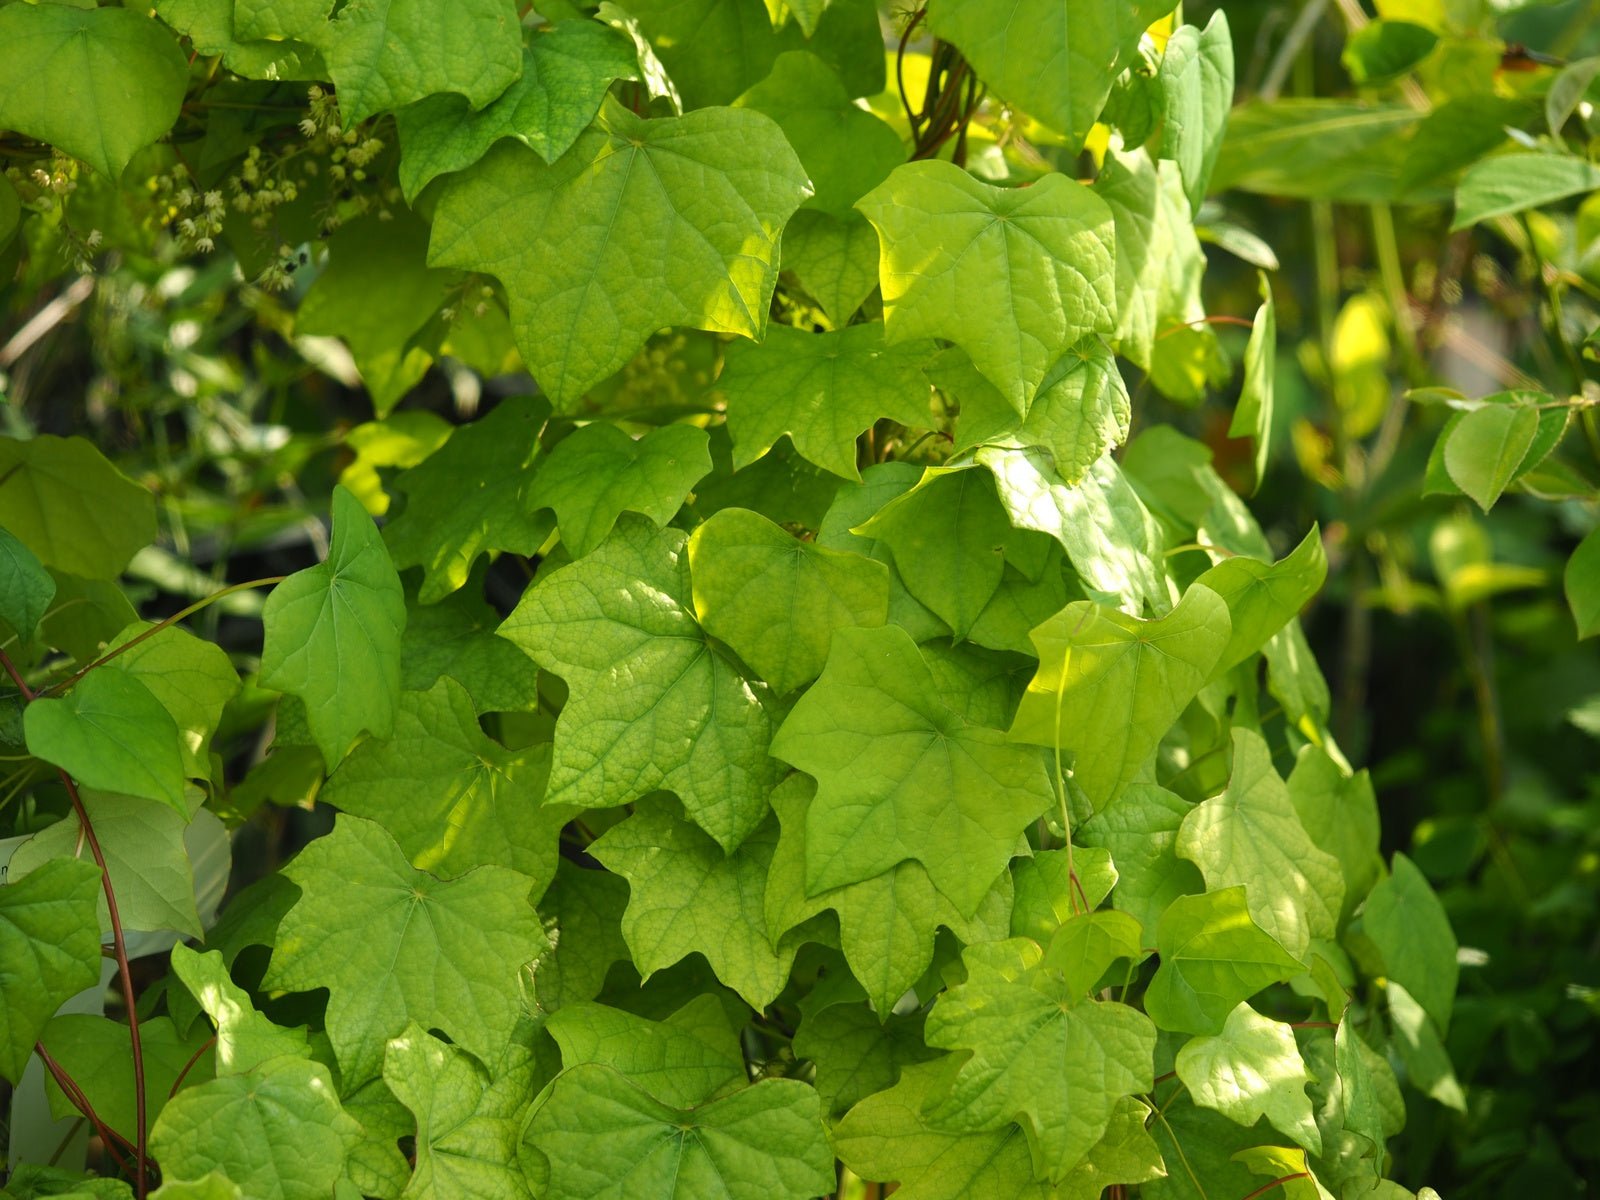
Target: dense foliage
791,695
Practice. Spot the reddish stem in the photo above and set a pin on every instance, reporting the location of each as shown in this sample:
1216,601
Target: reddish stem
1219,319
1267,1187
189,1066
74,1093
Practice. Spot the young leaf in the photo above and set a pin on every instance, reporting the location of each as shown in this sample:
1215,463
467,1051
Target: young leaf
1264,597
1252,416
565,73
393,944
1251,836
948,537
823,390
47,51
597,473
333,635
683,1060
599,1134
383,54
776,600
193,680
471,497
1014,276
50,944
641,224
834,259
62,498
276,1130
1109,686
452,798
1252,1069
1484,451
1581,581
1513,183
847,151
652,704
245,1037
664,859
1140,829
467,1127
887,923
1038,1055
1213,955
110,732
1405,921
1340,814
26,588
1196,83
1053,61
936,788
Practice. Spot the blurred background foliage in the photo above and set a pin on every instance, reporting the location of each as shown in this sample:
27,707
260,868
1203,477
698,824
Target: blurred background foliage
209,375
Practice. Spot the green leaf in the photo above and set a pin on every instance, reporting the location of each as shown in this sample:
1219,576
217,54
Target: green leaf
1109,686
1015,276
214,28
1291,1166
1159,266
665,859
598,472
1568,90
402,439
277,1131
834,259
1089,944
1038,1056
713,49
383,54
1054,61
93,1051
443,530
47,51
601,1135
949,540
586,907
684,1060
467,1128
193,680
455,639
245,1038
50,951
333,635
1213,955
1114,542
847,151
452,798
10,214
854,1053
1264,597
1053,885
377,292
776,600
1140,829
280,18
821,389
1251,837
1385,50
679,717
1422,1049
110,732
1252,1069
1340,814
60,497
566,71
640,225
214,1185
1196,84
26,588
1339,150
935,788
1363,1114
393,944
1484,451
1512,183
1252,416
887,923
1405,921
1581,581
146,853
